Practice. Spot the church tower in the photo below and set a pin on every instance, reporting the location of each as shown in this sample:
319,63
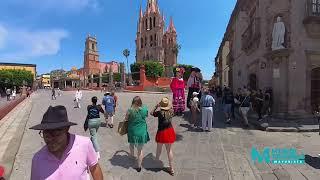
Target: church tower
149,34
169,44
91,56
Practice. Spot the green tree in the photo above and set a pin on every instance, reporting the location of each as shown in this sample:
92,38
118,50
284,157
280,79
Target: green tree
153,69
14,77
126,53
176,49
117,77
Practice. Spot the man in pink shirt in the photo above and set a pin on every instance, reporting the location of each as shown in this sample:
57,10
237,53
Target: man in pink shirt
66,156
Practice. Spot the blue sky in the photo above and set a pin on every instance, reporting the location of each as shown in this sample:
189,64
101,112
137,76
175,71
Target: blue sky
51,33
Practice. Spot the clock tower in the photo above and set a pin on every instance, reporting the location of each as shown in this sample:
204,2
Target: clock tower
91,56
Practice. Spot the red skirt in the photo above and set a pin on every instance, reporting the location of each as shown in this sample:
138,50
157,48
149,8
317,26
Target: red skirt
166,136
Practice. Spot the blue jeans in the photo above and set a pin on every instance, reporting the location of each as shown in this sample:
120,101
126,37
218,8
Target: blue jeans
93,125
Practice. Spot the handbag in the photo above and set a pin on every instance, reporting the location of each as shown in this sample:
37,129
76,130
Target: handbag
123,128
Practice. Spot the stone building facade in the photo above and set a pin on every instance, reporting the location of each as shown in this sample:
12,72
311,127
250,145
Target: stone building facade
293,72
153,42
92,67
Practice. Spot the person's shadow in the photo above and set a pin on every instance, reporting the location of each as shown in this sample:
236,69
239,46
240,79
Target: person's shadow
150,163
312,161
122,160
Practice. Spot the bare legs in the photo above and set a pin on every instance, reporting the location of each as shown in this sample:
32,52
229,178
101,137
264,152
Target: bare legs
140,154
169,153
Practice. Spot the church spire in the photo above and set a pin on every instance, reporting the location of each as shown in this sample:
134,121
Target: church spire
141,13
171,27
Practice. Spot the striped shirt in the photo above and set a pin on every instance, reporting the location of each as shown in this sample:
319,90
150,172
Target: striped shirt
207,101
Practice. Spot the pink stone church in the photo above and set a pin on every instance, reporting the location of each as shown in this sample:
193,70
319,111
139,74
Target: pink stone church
153,42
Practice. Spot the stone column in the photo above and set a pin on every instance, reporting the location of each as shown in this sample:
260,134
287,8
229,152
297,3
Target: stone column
123,75
280,88
100,79
91,81
85,80
65,83
143,77
110,77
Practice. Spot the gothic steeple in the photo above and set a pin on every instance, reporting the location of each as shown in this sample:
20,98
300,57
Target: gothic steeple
171,27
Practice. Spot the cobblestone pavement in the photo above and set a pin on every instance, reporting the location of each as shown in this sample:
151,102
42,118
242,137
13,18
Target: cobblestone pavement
221,154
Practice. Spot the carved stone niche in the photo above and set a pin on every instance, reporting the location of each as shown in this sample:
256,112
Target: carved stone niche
285,17
277,56
312,19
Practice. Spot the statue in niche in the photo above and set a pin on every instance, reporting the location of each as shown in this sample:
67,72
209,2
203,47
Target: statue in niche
278,34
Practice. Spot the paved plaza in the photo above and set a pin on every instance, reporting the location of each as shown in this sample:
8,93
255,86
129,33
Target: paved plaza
221,154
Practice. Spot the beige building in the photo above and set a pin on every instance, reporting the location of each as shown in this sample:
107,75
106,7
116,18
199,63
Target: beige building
28,67
275,44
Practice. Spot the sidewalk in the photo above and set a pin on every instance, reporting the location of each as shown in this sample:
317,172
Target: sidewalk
11,131
281,125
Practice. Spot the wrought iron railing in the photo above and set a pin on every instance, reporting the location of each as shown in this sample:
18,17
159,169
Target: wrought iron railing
252,34
313,8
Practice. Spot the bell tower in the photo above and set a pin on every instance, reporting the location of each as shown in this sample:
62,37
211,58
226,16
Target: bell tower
91,56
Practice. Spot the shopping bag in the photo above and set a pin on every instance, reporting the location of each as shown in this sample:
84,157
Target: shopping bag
123,128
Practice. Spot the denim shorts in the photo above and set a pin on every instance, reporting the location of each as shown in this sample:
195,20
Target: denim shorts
227,108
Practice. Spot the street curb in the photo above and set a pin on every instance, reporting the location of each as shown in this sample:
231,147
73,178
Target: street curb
9,107
282,129
147,92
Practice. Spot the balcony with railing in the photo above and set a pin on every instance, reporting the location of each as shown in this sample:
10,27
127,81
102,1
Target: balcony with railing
312,18
251,36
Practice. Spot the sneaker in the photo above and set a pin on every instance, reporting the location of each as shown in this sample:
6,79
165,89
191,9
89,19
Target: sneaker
98,154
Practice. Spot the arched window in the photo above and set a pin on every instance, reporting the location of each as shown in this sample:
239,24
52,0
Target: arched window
155,39
141,43
92,46
150,20
145,41
146,23
151,41
154,21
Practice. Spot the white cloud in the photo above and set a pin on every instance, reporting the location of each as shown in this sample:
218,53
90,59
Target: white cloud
23,43
67,5
3,36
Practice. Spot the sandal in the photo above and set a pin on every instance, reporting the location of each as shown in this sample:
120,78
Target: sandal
170,171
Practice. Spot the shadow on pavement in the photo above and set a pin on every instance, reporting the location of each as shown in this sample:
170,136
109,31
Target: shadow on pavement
179,137
103,124
122,160
313,161
218,120
150,163
190,128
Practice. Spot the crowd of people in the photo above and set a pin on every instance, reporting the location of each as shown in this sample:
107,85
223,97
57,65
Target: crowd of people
11,93
242,101
80,155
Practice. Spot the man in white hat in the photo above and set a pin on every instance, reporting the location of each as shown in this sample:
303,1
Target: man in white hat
194,107
207,102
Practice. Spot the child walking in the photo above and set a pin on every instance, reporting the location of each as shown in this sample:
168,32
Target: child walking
194,106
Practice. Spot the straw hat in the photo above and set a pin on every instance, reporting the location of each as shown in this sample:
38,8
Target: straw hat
165,104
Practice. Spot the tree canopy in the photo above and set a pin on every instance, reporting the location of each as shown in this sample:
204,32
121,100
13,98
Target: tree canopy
153,69
15,77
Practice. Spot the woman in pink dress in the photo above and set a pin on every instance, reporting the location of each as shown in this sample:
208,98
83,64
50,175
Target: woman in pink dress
177,87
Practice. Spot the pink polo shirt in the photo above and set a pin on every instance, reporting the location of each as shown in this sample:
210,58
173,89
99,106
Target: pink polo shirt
74,163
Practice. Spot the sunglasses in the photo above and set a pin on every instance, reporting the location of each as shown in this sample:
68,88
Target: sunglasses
51,133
